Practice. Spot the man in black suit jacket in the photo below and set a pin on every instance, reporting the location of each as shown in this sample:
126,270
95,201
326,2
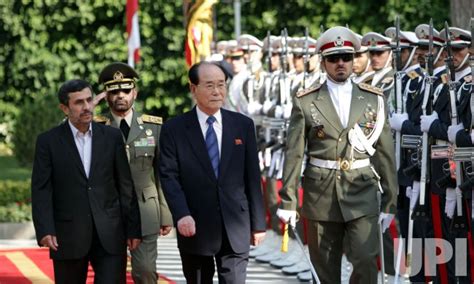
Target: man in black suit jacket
84,206
212,188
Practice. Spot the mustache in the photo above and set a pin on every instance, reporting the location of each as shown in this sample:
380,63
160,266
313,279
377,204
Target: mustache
86,113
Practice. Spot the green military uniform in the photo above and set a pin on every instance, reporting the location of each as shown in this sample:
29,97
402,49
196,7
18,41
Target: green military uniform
344,195
142,147
142,150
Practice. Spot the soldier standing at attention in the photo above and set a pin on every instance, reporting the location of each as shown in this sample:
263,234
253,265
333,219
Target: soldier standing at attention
140,133
349,142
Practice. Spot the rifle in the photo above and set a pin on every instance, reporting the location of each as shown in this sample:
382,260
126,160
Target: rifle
398,88
458,221
305,57
268,79
421,210
284,80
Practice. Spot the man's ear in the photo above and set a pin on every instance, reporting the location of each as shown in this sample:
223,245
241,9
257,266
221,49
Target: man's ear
64,108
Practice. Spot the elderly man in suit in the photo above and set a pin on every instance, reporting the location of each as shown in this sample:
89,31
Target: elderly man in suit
140,133
84,206
211,180
350,149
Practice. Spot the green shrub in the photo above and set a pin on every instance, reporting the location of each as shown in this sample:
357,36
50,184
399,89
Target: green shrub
15,212
34,117
15,191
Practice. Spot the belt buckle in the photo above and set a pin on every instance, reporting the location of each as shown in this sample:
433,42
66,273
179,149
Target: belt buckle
344,165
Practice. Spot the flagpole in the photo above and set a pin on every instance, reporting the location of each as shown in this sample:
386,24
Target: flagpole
237,9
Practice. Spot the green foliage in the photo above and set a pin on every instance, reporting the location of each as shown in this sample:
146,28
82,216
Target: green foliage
35,117
11,170
15,201
15,213
15,191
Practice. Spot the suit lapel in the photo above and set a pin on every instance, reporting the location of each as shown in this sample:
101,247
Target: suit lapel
97,142
227,143
196,140
358,102
325,106
70,145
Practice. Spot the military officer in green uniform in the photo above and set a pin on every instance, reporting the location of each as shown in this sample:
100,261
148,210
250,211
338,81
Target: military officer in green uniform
140,132
350,161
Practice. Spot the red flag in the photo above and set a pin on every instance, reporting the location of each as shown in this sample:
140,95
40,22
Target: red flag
133,31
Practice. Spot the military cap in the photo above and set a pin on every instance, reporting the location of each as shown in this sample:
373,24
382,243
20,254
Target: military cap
423,33
459,37
376,42
297,45
363,47
407,39
275,44
249,42
118,75
337,40
221,46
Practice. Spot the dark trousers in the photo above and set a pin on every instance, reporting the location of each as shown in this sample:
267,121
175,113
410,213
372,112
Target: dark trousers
107,268
231,266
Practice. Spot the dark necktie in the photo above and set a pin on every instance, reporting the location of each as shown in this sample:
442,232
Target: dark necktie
212,146
125,128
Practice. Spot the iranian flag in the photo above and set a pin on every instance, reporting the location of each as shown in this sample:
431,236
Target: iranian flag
133,32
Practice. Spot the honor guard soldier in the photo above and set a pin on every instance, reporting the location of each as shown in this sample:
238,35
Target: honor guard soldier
380,54
306,69
362,70
140,133
350,149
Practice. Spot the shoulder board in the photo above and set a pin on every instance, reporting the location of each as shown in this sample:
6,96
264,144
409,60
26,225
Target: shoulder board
413,74
444,78
370,88
101,119
387,80
151,119
307,91
468,79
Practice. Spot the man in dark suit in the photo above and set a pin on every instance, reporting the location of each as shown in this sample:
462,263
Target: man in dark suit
211,180
84,205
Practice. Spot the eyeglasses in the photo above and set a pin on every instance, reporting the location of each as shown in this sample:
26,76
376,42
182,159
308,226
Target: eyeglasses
334,58
116,92
210,87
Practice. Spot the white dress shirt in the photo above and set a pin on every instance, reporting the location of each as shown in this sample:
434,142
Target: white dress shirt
202,117
84,145
341,96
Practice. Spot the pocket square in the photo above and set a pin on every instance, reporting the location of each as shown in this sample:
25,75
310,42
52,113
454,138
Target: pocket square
238,142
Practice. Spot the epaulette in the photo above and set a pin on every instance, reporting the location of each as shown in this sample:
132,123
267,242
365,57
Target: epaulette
101,119
370,88
444,78
387,80
468,79
307,91
413,74
151,119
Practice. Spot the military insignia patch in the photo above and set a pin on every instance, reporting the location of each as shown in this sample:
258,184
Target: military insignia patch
148,132
152,119
413,74
308,91
387,80
370,88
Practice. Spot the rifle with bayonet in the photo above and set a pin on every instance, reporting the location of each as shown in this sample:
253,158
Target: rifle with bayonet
398,89
269,77
284,81
305,57
421,211
458,220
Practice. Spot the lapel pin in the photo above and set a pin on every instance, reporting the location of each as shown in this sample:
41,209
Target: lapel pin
360,97
149,132
238,142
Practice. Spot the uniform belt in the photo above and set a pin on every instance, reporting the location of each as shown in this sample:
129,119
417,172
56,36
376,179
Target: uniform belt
340,164
441,142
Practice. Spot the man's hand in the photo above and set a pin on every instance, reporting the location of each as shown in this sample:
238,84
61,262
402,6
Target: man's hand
96,100
453,131
385,219
287,216
165,230
397,120
257,238
427,120
133,243
186,226
49,241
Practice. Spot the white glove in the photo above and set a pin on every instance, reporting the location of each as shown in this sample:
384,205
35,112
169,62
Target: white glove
267,105
287,110
287,216
278,112
397,119
427,120
453,130
254,108
472,138
450,202
385,219
414,193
